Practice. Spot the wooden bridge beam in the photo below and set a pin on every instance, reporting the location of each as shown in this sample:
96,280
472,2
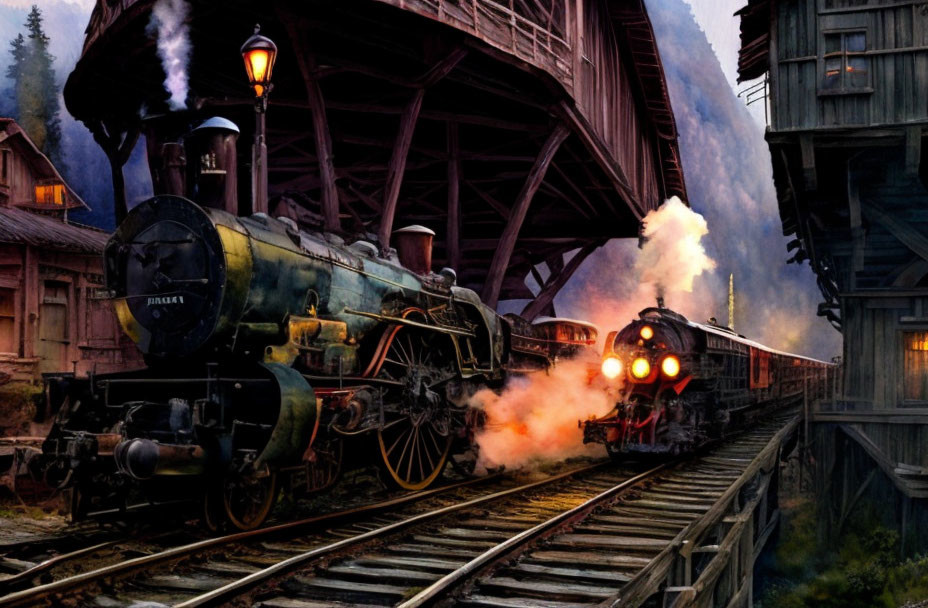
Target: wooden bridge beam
321,135
403,141
507,241
556,281
454,197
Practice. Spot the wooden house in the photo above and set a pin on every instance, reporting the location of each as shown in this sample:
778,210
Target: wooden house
848,87
53,313
517,131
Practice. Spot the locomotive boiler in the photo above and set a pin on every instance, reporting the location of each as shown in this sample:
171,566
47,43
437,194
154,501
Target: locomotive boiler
683,384
268,348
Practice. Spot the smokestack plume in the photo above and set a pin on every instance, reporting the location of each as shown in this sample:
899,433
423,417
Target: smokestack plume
169,26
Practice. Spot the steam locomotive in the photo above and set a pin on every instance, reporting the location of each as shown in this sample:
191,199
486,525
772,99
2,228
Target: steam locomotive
683,384
268,347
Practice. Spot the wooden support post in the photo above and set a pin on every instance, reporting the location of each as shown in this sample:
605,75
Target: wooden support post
857,232
913,149
30,301
454,198
556,281
117,144
398,166
321,134
507,241
807,148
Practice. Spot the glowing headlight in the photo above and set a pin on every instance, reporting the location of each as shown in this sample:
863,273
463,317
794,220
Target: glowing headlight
641,368
646,332
670,366
612,367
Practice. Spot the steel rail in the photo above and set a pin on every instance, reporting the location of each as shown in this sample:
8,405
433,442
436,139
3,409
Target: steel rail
447,583
42,591
225,592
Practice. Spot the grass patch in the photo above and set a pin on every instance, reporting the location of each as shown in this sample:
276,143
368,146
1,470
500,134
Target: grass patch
862,570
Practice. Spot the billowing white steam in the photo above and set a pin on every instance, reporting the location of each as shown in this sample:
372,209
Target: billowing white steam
169,26
667,265
673,255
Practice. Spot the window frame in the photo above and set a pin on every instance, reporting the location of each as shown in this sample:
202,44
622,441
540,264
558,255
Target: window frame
843,54
903,343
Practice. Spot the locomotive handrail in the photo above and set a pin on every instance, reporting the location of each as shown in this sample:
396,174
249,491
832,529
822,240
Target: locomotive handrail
404,321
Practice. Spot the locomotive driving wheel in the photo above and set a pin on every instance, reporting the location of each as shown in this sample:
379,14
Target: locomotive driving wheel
241,502
416,437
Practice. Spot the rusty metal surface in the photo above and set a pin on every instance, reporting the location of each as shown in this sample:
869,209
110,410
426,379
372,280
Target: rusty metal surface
22,227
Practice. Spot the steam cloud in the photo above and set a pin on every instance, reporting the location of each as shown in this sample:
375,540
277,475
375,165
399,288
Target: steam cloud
535,418
169,25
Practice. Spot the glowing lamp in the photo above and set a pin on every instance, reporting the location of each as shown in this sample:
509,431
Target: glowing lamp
670,366
646,332
259,53
641,368
612,367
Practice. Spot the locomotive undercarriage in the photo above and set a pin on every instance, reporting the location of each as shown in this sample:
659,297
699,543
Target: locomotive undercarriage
112,452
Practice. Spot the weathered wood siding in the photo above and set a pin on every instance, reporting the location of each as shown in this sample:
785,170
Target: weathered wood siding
897,53
874,348
600,76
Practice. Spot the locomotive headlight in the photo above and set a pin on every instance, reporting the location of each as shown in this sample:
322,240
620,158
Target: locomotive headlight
641,368
612,367
670,366
646,332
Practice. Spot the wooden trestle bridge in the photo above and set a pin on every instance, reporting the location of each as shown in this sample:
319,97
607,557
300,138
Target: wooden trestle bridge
518,130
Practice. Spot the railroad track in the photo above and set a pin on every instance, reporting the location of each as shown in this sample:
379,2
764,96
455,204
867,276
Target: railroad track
174,574
597,535
599,538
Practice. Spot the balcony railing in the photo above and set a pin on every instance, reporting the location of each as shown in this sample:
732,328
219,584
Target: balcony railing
499,25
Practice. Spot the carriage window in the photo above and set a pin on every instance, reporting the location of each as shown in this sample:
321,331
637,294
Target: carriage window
846,64
916,365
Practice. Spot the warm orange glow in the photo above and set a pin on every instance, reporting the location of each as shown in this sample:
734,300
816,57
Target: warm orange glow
670,366
611,367
641,368
49,194
646,332
256,63
919,342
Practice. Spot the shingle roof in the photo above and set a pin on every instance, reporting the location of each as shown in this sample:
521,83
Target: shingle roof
23,227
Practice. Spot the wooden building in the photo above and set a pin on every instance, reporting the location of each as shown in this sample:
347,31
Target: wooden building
518,130
848,82
53,316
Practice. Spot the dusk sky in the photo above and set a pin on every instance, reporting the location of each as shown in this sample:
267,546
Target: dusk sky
725,160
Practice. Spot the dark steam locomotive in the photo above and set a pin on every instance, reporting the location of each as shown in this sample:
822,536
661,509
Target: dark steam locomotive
268,348
682,384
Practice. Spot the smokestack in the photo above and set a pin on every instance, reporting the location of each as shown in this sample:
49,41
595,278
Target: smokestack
414,248
213,164
731,301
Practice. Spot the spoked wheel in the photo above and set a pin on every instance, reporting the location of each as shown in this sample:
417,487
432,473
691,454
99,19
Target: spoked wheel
416,439
326,466
242,502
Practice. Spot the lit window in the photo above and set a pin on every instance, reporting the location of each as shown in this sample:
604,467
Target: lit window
846,64
49,194
916,365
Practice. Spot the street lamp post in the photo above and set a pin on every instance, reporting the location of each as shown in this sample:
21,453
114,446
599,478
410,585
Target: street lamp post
259,53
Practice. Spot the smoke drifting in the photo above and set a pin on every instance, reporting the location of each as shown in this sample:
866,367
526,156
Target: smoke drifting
169,26
673,255
534,420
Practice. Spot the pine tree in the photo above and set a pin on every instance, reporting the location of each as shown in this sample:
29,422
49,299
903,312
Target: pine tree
18,53
35,89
